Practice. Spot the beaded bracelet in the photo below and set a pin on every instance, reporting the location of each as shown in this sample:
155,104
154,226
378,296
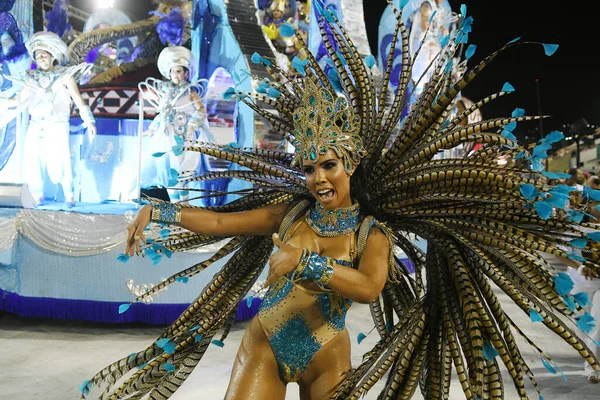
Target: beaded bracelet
315,267
165,212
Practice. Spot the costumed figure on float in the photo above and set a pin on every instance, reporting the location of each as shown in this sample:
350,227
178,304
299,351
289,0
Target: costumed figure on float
48,92
338,209
181,119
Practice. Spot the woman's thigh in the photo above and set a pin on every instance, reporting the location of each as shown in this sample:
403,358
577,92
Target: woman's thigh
327,369
255,375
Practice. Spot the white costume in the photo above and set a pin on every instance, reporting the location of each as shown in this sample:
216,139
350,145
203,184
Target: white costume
49,104
430,46
177,119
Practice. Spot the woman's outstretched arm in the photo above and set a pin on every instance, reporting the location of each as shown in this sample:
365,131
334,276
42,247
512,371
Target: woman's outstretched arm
262,221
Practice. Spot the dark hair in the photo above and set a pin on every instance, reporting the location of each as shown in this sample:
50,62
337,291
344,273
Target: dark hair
359,192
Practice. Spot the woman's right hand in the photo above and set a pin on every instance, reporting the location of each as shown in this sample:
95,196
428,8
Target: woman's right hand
135,231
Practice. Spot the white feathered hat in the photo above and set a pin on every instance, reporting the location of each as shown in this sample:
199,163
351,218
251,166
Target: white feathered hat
50,42
176,56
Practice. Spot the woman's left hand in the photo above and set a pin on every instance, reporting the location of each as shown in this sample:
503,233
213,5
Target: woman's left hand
283,261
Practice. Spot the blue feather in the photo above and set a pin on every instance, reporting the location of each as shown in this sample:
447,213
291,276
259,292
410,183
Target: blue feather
576,257
543,209
177,150
535,316
272,92
564,188
298,65
403,3
595,236
557,199
548,366
556,175
591,193
124,307
164,233
586,322
550,49
514,40
123,258
286,30
168,367
255,58
228,94
520,155
507,87
85,387
218,343
575,216
179,141
570,302
162,342
370,60
509,135
518,112
182,279
511,125
579,243
582,298
540,150
360,337
563,283
537,165
553,137
528,191
432,16
444,40
194,328
198,338
489,352
158,154
249,301
463,10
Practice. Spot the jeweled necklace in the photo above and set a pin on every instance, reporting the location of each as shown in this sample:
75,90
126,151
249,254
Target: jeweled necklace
336,222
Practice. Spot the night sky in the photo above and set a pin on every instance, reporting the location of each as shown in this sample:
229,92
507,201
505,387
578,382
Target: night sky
568,81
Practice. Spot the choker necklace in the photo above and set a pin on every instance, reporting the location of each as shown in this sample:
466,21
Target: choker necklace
336,222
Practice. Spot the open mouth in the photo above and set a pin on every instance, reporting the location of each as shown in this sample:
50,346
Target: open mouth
325,194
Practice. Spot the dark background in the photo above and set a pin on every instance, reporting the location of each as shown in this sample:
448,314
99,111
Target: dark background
569,81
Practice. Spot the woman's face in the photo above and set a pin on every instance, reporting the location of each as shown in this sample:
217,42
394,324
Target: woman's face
44,60
328,181
179,74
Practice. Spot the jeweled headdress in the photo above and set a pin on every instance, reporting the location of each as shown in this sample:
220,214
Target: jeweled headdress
325,122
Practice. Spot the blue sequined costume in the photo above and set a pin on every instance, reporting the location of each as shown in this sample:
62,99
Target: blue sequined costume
299,321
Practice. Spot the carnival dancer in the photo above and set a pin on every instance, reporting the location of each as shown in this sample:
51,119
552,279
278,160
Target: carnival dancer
337,209
48,92
181,118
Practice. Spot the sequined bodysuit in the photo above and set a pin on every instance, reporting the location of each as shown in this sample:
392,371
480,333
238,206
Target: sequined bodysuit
299,321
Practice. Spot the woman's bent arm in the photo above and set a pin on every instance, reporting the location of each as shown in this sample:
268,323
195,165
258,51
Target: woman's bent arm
366,283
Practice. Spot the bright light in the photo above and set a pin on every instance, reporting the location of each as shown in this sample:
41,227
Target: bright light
105,3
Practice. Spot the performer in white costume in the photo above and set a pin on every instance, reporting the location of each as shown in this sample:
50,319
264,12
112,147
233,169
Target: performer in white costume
48,91
181,118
